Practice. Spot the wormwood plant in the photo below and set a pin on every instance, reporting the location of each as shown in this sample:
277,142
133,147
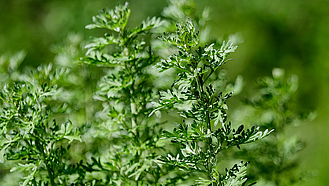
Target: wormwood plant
126,94
123,144
275,158
29,135
181,11
204,131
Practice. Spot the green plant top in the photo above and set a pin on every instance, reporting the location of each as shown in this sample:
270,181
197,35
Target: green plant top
126,92
204,131
28,136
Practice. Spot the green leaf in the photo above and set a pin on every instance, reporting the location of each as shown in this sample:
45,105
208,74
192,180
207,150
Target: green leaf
115,20
146,25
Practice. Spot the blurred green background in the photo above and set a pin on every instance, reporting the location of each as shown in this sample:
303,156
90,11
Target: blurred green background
289,34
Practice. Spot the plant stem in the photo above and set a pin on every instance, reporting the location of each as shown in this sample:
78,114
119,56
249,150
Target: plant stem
52,181
49,170
206,103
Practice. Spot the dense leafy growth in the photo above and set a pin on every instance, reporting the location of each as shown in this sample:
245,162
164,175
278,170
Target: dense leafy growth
273,107
28,132
103,119
204,131
126,95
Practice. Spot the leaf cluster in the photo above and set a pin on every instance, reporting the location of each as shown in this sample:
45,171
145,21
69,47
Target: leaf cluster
274,107
204,131
29,136
56,129
126,95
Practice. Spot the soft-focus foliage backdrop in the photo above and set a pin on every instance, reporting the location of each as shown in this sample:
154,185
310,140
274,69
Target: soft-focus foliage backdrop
289,34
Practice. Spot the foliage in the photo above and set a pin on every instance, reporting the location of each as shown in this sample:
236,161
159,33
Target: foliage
56,129
204,131
275,157
28,133
181,11
126,95
78,88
